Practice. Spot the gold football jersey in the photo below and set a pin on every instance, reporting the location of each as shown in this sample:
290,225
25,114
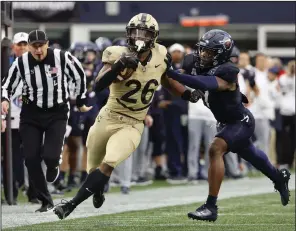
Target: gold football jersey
133,96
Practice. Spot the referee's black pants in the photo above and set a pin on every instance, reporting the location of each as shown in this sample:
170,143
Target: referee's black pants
42,132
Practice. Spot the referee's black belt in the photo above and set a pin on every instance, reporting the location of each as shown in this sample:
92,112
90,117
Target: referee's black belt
56,107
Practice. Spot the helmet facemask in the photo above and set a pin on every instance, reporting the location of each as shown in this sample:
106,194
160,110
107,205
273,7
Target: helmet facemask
208,57
141,39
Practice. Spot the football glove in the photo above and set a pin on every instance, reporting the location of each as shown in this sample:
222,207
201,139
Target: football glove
126,61
192,96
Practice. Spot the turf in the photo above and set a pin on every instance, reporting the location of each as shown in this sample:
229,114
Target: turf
252,213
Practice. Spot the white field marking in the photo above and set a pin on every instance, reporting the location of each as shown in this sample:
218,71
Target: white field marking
24,214
162,215
200,224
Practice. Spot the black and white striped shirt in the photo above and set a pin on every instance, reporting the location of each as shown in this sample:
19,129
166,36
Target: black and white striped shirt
46,83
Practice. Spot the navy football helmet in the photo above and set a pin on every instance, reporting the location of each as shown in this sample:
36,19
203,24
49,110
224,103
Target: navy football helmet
90,52
77,49
119,42
102,43
214,48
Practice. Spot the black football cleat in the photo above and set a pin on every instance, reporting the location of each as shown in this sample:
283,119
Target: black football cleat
282,185
44,208
64,209
205,213
98,200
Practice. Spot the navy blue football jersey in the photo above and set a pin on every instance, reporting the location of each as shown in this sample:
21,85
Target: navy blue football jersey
226,106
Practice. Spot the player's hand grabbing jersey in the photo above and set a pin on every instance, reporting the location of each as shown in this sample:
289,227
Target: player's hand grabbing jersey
133,96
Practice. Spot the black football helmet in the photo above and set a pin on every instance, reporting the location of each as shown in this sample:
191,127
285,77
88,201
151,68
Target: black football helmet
214,48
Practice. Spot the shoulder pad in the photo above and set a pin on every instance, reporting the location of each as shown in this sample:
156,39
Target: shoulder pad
226,68
189,62
161,49
227,71
113,53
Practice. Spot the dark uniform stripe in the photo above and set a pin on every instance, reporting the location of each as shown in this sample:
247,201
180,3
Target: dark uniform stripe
45,87
54,77
31,63
81,74
63,66
22,73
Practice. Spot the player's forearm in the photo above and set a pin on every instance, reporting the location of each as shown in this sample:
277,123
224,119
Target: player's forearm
174,87
197,82
105,79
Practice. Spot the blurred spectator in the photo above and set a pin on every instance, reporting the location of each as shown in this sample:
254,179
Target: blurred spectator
201,127
278,63
157,135
261,105
56,46
175,117
247,71
188,49
287,110
177,52
273,89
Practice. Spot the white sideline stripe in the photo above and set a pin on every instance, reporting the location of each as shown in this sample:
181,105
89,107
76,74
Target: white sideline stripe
20,215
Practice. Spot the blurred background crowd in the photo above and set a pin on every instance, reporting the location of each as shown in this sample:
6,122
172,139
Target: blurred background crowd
175,143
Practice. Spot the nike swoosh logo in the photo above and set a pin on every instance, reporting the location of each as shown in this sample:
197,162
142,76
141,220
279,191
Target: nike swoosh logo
156,66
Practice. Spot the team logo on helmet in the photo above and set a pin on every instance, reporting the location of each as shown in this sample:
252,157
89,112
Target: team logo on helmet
227,43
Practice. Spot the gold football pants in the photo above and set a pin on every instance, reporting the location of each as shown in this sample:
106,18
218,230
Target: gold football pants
112,139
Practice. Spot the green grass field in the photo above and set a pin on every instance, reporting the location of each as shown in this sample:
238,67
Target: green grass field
252,213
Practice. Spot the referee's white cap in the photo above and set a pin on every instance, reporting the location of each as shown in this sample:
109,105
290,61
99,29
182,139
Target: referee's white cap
20,37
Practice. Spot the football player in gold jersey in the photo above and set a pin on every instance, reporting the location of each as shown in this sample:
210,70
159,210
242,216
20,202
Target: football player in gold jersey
133,74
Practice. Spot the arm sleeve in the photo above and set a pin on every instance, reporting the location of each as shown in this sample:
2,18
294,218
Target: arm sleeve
11,81
76,73
196,82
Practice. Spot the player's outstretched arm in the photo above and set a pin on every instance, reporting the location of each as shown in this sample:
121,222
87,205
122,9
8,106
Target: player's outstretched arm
199,82
174,87
178,89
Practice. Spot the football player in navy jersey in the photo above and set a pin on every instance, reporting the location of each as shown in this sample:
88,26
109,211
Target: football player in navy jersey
215,77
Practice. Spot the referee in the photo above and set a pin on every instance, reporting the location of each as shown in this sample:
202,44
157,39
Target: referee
46,74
